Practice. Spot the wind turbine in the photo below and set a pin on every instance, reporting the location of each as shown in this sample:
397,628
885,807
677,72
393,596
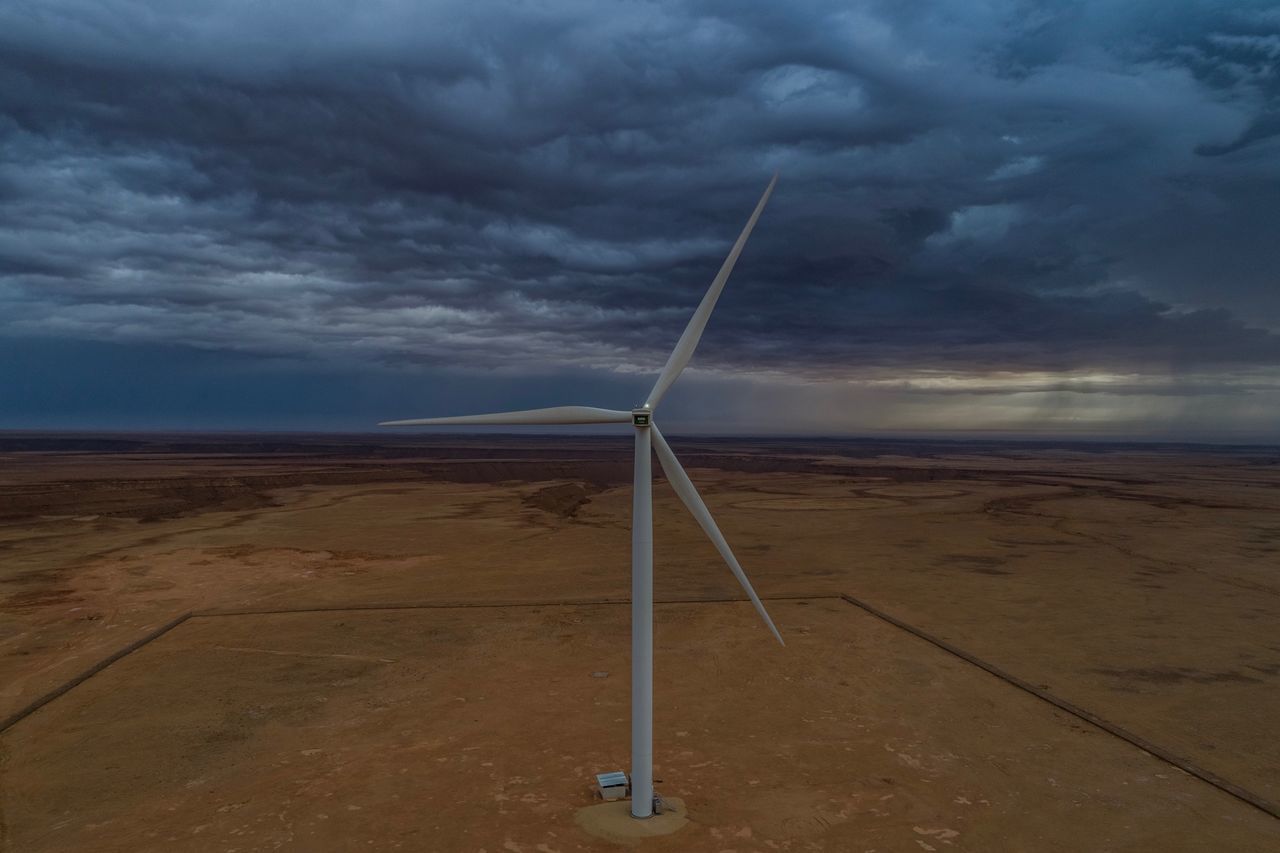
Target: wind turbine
647,436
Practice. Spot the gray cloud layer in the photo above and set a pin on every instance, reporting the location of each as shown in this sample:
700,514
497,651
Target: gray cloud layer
967,187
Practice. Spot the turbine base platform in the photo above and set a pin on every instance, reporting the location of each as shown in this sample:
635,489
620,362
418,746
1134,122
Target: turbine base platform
612,820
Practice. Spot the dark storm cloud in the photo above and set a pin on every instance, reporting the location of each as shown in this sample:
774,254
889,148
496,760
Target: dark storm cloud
966,186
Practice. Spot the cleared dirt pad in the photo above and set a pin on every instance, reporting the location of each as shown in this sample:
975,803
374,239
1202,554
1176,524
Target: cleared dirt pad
480,729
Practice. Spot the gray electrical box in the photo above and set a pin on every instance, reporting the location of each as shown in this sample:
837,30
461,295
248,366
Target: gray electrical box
612,786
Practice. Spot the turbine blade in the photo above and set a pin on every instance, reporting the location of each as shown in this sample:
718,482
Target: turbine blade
554,415
684,488
693,332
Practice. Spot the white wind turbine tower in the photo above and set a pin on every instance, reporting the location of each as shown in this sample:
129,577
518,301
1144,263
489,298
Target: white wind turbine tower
647,436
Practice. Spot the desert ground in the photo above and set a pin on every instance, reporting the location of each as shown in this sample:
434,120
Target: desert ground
420,643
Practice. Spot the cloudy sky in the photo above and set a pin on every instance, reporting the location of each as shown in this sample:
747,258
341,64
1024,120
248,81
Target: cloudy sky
1029,218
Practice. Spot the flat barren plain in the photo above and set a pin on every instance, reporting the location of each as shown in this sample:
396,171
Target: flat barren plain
420,643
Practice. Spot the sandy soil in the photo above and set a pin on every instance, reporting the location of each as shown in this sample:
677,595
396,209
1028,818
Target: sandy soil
1138,583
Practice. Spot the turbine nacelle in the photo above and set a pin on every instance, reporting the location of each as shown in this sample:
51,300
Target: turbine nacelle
642,416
